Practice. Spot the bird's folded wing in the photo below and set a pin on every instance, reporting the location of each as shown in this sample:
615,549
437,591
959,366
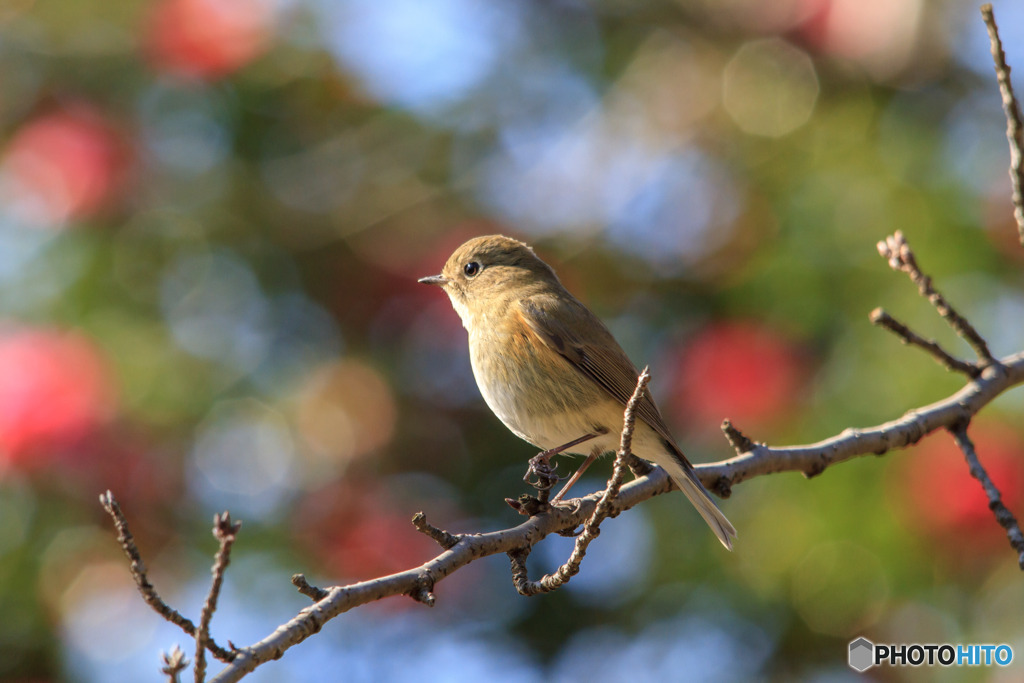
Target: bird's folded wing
592,350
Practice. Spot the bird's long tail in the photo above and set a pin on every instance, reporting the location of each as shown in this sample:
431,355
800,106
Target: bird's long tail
686,479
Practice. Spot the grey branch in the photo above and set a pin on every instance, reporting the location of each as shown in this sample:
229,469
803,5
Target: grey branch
811,459
882,319
1014,126
440,536
995,501
740,442
225,531
312,592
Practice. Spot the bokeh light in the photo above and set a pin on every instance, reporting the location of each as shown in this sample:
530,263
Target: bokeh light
215,309
875,34
207,38
184,129
244,459
668,647
62,165
345,411
359,531
439,50
770,87
55,391
746,372
839,588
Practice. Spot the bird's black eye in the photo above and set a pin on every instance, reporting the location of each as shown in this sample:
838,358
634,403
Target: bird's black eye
471,269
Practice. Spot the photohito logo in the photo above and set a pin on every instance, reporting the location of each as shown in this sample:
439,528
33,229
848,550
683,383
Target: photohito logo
864,654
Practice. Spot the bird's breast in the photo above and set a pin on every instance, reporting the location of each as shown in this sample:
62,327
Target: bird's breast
534,391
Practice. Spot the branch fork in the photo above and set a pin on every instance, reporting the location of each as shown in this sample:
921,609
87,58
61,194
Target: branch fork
954,414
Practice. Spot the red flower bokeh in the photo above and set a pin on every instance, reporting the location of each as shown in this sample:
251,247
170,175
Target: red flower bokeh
207,39
737,370
61,166
871,32
359,532
55,390
935,492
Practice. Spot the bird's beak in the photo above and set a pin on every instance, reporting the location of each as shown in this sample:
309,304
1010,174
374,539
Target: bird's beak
434,280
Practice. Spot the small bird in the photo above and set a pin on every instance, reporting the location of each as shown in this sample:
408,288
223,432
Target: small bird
549,368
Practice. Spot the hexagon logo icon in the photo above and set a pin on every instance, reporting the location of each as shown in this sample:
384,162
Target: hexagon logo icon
862,654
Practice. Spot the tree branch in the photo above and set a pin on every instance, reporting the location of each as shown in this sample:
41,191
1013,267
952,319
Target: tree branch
812,459
995,501
146,589
901,257
740,442
720,477
908,336
225,532
440,536
174,663
1011,108
312,592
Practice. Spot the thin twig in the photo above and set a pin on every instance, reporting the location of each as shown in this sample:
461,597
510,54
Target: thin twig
995,501
908,336
225,532
896,250
739,441
1011,109
146,589
312,592
423,592
442,537
174,663
592,527
639,467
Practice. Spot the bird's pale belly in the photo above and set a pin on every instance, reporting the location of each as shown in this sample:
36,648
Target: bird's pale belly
541,409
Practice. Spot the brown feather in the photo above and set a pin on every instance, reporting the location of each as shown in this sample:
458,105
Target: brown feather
592,350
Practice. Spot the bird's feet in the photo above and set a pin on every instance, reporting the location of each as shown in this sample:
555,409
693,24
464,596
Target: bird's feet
541,474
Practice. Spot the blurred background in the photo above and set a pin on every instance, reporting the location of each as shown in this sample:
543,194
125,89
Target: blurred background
212,217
